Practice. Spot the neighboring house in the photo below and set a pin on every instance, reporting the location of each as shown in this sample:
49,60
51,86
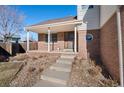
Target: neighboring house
93,33
15,38
1,39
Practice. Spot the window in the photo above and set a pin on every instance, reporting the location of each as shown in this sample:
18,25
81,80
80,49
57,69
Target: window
89,37
53,38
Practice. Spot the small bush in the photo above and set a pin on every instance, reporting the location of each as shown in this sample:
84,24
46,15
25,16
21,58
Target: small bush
40,69
31,69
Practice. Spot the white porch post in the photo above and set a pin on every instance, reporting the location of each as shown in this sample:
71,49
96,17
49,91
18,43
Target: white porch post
48,39
27,41
75,39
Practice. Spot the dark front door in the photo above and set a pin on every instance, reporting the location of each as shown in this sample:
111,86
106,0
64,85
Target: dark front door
69,39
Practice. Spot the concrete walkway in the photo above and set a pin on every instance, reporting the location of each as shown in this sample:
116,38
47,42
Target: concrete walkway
58,74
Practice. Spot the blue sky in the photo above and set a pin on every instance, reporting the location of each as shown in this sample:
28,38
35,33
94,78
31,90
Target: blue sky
38,13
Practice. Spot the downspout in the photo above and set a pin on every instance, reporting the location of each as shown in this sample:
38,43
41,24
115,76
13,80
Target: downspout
120,50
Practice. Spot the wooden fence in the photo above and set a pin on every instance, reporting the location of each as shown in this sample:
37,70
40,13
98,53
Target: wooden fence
8,49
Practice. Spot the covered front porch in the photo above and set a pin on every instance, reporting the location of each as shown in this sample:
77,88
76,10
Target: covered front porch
56,37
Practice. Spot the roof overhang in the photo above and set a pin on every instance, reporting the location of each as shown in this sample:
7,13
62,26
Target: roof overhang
55,27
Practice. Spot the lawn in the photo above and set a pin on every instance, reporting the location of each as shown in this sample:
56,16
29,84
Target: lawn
24,69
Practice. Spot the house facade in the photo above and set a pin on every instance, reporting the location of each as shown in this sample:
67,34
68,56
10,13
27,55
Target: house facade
65,34
94,33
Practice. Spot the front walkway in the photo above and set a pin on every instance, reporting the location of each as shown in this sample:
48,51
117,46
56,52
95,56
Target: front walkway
58,74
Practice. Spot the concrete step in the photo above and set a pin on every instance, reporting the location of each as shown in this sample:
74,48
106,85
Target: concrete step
59,77
68,50
61,68
65,61
67,56
62,65
45,83
70,53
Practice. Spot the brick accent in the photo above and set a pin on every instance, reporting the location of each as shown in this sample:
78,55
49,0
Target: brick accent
122,25
93,47
109,47
82,44
60,42
42,45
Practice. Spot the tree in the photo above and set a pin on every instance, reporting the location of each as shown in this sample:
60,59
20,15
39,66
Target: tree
11,22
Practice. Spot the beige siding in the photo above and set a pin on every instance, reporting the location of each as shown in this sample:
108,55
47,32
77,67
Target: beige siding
106,11
90,17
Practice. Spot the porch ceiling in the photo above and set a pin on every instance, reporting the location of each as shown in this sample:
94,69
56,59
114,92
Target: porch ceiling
55,27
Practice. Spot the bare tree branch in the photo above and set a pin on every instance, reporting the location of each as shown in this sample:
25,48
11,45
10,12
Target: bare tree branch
11,21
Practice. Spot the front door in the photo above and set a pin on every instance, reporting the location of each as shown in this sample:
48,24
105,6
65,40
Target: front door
69,39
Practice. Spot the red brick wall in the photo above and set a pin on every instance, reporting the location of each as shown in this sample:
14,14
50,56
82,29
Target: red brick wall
109,47
61,41
93,47
42,45
82,44
122,25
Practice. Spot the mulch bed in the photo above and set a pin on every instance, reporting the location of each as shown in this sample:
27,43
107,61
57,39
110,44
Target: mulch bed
34,64
88,74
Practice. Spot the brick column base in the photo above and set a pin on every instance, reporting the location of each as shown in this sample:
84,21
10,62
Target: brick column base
82,44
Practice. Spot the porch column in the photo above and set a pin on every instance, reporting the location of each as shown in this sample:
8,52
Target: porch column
27,41
48,39
75,39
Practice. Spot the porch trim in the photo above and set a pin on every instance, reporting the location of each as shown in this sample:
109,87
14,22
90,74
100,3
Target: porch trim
75,39
27,41
56,24
48,39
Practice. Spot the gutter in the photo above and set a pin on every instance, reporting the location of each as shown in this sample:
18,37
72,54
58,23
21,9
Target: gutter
120,49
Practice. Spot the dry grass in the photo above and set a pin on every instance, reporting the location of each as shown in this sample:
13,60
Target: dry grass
8,72
88,74
35,63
